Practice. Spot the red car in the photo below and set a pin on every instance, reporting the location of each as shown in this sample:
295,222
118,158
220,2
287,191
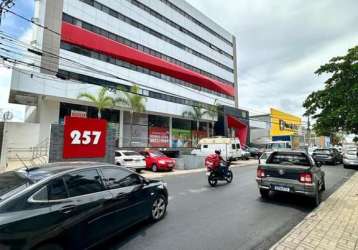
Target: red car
156,160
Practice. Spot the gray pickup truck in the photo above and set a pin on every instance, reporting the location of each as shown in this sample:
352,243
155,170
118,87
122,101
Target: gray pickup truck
291,172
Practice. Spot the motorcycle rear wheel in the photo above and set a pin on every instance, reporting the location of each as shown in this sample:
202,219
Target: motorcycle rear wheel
213,181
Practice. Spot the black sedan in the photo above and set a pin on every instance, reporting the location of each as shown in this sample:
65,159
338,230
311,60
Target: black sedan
74,205
327,156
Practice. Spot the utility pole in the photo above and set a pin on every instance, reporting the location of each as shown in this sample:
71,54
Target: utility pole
5,4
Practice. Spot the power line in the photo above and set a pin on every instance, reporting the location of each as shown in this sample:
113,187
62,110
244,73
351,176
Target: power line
32,21
5,5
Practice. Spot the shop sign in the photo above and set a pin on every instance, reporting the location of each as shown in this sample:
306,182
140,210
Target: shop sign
158,137
77,113
84,138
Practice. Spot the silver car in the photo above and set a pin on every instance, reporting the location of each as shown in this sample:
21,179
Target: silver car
350,158
291,172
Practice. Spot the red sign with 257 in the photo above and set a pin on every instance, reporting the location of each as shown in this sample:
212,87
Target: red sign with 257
84,137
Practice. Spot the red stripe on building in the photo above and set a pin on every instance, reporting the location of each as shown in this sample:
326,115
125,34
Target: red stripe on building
77,36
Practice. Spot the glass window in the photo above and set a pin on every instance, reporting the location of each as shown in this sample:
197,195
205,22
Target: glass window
118,178
56,190
288,159
238,145
117,154
131,153
84,182
233,146
205,146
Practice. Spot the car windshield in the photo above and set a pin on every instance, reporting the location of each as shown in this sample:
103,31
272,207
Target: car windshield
12,182
283,158
275,145
322,151
156,154
131,153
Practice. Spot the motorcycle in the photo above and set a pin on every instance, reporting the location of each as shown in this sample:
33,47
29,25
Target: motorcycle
223,173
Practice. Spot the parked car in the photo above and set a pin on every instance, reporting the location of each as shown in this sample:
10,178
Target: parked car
291,172
156,161
327,156
230,147
129,159
245,154
254,152
74,205
350,158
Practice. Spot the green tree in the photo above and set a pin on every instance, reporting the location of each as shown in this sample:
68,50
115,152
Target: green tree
102,100
133,101
335,108
195,113
212,112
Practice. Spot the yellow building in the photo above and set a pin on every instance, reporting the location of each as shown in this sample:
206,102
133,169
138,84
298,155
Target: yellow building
283,125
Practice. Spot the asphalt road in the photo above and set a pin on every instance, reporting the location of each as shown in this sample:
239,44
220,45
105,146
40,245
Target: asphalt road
230,216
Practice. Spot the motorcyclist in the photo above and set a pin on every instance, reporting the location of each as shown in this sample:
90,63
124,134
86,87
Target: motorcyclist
221,168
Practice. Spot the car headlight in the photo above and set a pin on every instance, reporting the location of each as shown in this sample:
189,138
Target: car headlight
161,162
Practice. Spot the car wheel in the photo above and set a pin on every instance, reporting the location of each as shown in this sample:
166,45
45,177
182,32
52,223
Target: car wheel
155,168
345,166
323,187
264,193
159,208
49,247
118,164
317,198
138,170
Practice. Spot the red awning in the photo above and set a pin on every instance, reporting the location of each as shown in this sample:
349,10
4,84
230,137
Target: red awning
78,36
241,128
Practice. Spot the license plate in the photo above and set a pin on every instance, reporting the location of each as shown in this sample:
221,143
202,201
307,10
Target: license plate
207,173
281,188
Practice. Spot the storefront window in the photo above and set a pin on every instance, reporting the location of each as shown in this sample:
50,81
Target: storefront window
139,130
158,131
181,133
198,133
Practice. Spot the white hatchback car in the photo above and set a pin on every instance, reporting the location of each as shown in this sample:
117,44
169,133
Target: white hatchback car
129,159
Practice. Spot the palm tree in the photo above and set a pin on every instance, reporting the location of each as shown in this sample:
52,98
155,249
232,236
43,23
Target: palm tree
101,101
195,113
213,111
133,101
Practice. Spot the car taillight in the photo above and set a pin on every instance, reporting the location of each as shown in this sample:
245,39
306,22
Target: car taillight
260,173
306,177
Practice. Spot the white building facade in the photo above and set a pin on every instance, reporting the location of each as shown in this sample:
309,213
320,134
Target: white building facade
177,56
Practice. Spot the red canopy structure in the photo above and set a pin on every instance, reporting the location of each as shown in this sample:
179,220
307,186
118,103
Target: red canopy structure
241,128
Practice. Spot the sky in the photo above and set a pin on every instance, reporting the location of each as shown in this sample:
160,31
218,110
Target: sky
280,44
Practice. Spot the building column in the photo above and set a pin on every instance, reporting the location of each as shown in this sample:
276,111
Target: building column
48,113
170,131
121,114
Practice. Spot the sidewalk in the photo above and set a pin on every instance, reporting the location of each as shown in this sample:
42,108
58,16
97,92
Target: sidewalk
333,225
150,174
